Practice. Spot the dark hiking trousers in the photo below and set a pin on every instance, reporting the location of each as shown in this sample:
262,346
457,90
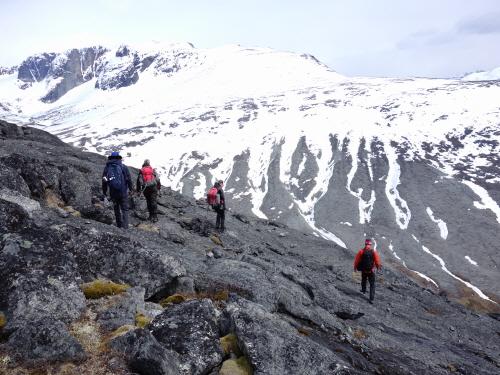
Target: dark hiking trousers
371,279
121,211
221,216
151,195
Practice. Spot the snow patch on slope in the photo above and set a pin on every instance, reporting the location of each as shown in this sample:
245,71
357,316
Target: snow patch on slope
486,201
401,210
443,229
471,261
469,285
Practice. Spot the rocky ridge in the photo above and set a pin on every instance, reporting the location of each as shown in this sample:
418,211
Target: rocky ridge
290,299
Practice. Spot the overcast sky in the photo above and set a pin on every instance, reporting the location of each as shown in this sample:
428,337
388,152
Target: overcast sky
433,38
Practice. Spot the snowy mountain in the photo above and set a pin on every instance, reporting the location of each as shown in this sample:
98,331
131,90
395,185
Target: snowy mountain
411,162
491,75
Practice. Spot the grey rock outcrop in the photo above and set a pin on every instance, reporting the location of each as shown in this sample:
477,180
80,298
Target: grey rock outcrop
44,340
191,330
145,355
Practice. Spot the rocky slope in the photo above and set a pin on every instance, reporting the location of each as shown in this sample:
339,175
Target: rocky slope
285,301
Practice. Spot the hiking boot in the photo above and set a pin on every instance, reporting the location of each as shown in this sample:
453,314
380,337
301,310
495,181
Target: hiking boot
363,291
371,302
154,219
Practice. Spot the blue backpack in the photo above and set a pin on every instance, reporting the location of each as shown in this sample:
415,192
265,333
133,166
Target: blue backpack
115,178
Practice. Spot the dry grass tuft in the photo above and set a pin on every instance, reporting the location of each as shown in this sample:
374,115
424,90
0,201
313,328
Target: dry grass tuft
360,334
173,299
3,320
229,345
148,228
141,320
121,331
216,240
304,331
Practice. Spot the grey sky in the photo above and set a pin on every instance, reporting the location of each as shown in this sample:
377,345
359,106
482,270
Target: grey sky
435,38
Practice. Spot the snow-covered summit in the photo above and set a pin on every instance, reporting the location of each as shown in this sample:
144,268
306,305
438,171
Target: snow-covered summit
52,75
491,75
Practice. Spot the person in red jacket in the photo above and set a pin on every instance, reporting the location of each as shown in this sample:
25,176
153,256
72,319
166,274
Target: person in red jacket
366,260
149,184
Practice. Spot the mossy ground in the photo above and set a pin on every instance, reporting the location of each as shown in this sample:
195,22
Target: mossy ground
173,299
121,331
101,288
216,296
148,228
3,320
216,240
229,345
239,366
141,320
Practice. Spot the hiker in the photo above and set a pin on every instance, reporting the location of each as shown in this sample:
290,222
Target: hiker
149,183
366,260
215,198
116,177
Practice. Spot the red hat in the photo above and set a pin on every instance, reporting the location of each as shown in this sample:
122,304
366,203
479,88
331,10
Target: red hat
368,241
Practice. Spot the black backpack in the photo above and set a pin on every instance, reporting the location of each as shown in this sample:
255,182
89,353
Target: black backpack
366,262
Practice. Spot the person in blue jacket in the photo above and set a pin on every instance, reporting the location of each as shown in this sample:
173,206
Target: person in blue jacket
116,177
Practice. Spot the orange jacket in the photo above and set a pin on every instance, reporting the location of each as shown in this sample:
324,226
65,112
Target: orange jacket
376,259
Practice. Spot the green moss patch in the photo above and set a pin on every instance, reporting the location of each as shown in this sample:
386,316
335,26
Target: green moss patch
141,320
174,299
101,288
229,345
238,366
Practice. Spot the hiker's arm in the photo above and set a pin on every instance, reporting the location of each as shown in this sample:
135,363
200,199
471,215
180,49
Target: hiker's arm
376,259
138,182
104,182
158,183
222,198
356,260
129,179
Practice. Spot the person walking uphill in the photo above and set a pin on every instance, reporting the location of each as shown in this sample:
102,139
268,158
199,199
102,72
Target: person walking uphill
116,177
366,260
215,198
149,183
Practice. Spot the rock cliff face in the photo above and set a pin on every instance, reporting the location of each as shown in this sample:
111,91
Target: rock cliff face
63,72
288,300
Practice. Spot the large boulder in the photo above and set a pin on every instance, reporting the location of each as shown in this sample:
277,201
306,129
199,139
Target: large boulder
274,347
144,354
39,297
190,329
45,340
